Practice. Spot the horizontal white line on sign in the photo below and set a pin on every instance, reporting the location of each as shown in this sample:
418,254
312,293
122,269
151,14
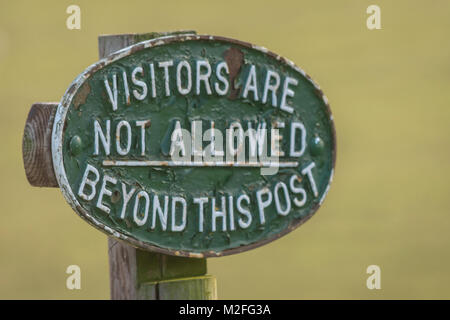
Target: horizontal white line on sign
149,163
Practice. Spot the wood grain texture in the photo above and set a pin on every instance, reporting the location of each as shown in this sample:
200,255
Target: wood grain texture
194,288
122,270
142,275
122,257
36,145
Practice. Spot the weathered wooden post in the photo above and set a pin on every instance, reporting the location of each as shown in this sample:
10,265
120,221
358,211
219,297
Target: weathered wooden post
138,274
126,146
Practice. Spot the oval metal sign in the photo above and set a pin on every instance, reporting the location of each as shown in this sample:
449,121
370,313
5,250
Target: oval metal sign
194,145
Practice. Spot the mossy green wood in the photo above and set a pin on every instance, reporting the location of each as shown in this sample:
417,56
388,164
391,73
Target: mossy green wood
165,277
91,103
193,288
153,267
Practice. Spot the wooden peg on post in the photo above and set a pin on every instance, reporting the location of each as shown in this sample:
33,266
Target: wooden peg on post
36,145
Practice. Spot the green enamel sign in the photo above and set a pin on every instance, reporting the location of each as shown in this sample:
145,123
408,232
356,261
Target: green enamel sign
194,145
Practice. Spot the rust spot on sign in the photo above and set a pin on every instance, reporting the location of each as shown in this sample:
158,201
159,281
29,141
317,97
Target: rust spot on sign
82,95
234,58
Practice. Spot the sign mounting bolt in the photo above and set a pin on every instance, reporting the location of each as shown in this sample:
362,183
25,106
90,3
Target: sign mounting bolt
75,145
317,146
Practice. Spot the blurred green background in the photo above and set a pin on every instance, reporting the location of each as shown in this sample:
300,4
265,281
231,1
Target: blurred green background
389,203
